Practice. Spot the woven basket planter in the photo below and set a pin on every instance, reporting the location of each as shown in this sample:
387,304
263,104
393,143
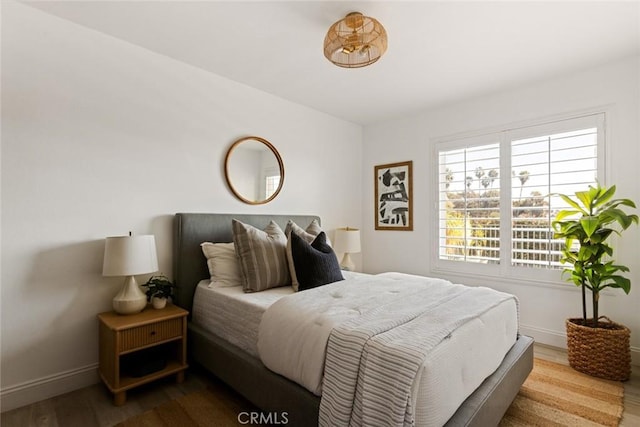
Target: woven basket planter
602,352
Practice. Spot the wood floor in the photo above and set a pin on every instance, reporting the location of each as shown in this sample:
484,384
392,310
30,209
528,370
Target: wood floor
91,406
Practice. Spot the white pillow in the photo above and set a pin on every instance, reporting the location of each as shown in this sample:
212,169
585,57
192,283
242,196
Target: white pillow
223,264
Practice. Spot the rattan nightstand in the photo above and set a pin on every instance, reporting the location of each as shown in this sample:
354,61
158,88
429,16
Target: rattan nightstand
153,337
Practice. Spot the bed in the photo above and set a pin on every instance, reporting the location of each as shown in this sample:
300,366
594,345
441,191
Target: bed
234,364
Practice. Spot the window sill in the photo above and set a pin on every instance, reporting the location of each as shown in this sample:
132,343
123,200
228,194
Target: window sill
480,278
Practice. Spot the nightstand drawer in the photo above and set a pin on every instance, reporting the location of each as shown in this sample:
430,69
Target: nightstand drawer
148,334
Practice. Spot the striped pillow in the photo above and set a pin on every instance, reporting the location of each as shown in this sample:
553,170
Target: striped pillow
262,256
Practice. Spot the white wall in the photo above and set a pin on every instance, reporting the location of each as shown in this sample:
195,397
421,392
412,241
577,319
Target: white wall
101,137
543,308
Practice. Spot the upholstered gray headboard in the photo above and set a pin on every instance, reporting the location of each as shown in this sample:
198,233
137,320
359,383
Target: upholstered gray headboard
191,229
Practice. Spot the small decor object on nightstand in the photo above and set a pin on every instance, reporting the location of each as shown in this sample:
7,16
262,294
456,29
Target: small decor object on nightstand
128,256
159,289
347,240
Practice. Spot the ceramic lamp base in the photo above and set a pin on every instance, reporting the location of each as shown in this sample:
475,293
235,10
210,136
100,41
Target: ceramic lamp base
347,264
130,299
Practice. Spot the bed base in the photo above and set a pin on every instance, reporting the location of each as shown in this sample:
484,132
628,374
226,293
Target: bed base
273,393
248,376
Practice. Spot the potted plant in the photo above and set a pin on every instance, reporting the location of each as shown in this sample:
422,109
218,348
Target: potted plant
159,289
596,347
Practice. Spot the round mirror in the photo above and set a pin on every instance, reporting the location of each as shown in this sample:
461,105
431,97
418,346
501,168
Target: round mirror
254,170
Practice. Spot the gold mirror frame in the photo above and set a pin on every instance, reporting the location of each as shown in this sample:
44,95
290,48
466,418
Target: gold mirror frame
227,172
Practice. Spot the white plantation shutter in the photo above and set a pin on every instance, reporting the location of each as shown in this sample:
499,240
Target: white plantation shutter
470,203
271,184
484,224
548,163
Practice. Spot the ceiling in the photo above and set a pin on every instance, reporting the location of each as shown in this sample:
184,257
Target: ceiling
439,52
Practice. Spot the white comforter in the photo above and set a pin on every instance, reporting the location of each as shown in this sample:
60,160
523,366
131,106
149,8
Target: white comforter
293,334
295,330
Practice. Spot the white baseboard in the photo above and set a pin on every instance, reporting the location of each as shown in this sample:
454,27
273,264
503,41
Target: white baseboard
43,388
53,385
545,336
559,339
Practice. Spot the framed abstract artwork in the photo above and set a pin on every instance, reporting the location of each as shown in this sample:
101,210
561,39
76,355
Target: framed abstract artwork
393,196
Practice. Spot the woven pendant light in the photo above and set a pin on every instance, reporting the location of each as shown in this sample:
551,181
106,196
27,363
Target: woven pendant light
355,41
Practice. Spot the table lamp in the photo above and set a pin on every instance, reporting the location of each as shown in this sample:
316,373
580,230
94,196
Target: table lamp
128,256
347,240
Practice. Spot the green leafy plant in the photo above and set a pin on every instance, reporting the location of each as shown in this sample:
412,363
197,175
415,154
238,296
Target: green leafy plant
159,286
589,223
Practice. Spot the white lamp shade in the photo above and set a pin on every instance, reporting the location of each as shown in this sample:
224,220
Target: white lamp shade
347,240
130,255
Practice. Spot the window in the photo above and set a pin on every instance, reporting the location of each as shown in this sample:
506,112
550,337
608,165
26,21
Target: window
470,203
271,185
495,193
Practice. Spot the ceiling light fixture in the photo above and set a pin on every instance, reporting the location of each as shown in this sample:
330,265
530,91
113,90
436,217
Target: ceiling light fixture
355,41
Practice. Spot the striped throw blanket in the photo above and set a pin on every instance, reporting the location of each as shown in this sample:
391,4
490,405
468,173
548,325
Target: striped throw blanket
372,360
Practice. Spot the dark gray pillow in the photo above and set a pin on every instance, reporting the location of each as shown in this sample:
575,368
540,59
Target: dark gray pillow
316,263
309,234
